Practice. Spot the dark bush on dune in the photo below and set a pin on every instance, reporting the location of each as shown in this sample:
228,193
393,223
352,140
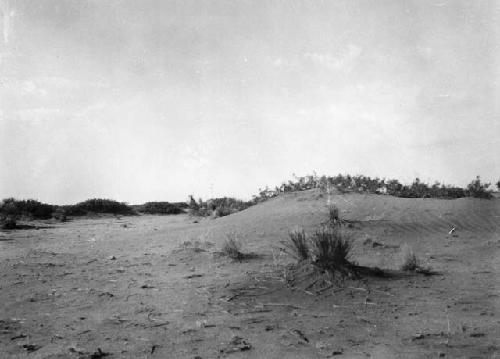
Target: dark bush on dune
365,184
226,205
60,214
222,211
12,210
181,205
419,189
160,208
479,190
29,209
98,206
8,222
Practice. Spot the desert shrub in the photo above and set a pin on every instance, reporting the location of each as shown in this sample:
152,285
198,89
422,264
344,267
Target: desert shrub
221,211
30,209
60,214
410,262
201,212
331,250
232,248
446,191
479,190
226,205
181,205
365,184
9,207
197,209
74,210
8,222
297,245
37,209
160,208
217,207
98,206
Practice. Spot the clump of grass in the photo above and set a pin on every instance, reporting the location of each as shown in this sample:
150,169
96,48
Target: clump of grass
322,257
232,248
333,216
410,261
331,250
297,245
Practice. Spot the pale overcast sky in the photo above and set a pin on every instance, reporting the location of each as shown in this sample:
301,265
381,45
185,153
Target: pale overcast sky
154,99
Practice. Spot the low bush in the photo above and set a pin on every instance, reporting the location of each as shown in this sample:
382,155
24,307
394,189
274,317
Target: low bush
8,223
98,206
199,212
29,209
221,211
217,207
60,214
478,189
160,208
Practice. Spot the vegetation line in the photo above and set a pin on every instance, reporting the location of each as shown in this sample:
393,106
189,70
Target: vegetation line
12,209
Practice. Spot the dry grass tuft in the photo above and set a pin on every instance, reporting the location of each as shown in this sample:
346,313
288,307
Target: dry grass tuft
297,245
334,216
232,248
410,262
322,258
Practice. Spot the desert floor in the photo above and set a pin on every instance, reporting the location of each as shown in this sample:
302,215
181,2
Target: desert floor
158,286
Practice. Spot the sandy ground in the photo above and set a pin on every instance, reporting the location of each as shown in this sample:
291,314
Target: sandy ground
157,286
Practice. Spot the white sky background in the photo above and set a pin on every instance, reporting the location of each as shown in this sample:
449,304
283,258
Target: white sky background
154,100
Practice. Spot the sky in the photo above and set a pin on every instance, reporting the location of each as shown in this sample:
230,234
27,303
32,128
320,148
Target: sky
155,100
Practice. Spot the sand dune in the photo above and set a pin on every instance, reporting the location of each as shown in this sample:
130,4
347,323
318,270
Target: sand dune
156,287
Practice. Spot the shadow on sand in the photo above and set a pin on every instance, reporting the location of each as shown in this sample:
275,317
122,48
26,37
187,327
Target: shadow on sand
376,272
25,227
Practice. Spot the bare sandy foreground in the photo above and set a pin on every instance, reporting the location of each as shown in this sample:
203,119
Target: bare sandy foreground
158,287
